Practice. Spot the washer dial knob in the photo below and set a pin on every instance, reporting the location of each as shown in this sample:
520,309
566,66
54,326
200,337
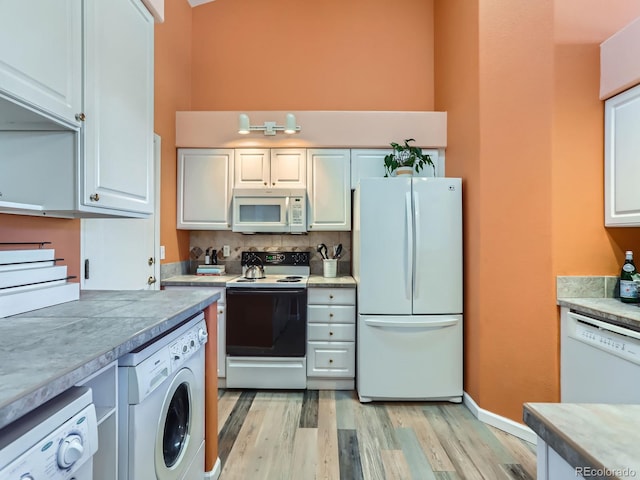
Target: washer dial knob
202,335
70,450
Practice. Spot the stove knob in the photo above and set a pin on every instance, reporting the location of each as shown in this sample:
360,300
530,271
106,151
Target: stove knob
70,451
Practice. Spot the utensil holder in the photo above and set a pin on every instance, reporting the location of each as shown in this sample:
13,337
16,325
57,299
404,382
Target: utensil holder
330,267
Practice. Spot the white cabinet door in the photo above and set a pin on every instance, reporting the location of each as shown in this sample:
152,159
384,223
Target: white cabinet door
328,188
252,167
41,55
118,105
288,168
204,188
622,159
369,163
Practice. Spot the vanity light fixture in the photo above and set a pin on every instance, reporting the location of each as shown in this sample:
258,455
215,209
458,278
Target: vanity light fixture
269,128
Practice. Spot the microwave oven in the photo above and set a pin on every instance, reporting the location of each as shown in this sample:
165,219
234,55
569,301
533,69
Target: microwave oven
269,211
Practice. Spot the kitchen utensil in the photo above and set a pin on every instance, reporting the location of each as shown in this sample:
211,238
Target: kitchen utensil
214,257
337,251
322,250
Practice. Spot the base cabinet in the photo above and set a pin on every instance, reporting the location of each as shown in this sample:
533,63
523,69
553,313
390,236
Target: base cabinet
551,466
331,335
104,387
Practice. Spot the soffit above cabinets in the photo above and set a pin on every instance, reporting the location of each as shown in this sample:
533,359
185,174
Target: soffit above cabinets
319,129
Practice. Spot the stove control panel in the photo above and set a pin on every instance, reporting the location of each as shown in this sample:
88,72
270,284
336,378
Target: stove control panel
300,259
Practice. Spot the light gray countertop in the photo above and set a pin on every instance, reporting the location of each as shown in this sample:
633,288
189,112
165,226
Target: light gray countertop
341,281
597,436
46,351
607,309
198,280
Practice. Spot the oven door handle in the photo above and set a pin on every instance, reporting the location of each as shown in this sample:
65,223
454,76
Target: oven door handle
270,291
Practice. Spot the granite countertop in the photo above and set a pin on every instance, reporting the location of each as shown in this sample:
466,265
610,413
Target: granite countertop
198,280
46,351
607,309
598,436
341,281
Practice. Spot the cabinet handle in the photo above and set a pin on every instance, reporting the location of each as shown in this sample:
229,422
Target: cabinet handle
331,360
221,311
151,280
331,315
265,183
150,261
95,197
80,117
331,334
331,296
273,183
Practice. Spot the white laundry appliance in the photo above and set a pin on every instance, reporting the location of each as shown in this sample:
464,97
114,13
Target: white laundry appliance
56,441
407,262
161,406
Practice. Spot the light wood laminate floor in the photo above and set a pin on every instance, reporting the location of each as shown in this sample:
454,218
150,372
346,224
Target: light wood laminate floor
282,435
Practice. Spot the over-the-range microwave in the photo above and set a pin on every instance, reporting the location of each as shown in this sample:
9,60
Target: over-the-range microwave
269,211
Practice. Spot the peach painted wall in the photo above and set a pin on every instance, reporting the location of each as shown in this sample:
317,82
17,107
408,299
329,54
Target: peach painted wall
64,235
526,134
297,55
172,93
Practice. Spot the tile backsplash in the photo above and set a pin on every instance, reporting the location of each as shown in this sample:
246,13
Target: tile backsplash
201,240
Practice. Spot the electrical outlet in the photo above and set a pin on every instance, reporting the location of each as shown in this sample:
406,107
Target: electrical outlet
161,252
226,251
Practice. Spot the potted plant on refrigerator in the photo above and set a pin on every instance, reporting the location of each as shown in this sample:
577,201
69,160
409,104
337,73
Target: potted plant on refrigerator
405,158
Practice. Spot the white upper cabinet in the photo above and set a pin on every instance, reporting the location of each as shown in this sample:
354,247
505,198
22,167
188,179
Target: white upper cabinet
204,188
622,159
40,61
368,163
118,106
270,168
328,188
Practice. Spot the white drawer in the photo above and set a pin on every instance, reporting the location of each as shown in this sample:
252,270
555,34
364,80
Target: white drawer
331,332
331,296
331,313
331,359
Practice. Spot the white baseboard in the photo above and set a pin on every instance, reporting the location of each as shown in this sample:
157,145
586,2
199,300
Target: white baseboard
215,473
506,424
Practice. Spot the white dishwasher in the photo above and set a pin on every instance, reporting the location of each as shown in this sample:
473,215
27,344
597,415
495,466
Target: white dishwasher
599,361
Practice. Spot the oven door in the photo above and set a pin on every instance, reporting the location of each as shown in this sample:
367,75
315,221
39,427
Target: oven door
260,214
264,322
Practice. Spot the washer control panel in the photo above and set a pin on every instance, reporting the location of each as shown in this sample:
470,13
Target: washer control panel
61,453
188,344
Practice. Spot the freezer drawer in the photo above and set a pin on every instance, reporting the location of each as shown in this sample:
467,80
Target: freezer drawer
409,357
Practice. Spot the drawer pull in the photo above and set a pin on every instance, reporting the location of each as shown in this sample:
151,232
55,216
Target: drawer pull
330,296
331,360
220,311
330,334
331,315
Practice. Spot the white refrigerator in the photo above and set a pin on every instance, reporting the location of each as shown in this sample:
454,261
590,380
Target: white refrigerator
407,261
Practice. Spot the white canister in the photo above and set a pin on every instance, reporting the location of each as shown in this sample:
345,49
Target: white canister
330,267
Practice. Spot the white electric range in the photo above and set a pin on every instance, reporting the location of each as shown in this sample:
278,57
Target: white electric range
267,322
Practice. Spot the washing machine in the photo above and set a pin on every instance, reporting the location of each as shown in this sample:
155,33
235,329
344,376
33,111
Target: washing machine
56,441
161,406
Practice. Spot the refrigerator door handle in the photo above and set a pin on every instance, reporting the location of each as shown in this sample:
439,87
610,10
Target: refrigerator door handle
409,269
416,273
420,324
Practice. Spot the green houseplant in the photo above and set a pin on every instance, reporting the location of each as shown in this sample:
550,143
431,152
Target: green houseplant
406,156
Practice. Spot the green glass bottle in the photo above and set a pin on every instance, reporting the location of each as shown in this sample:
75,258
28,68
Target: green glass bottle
628,287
